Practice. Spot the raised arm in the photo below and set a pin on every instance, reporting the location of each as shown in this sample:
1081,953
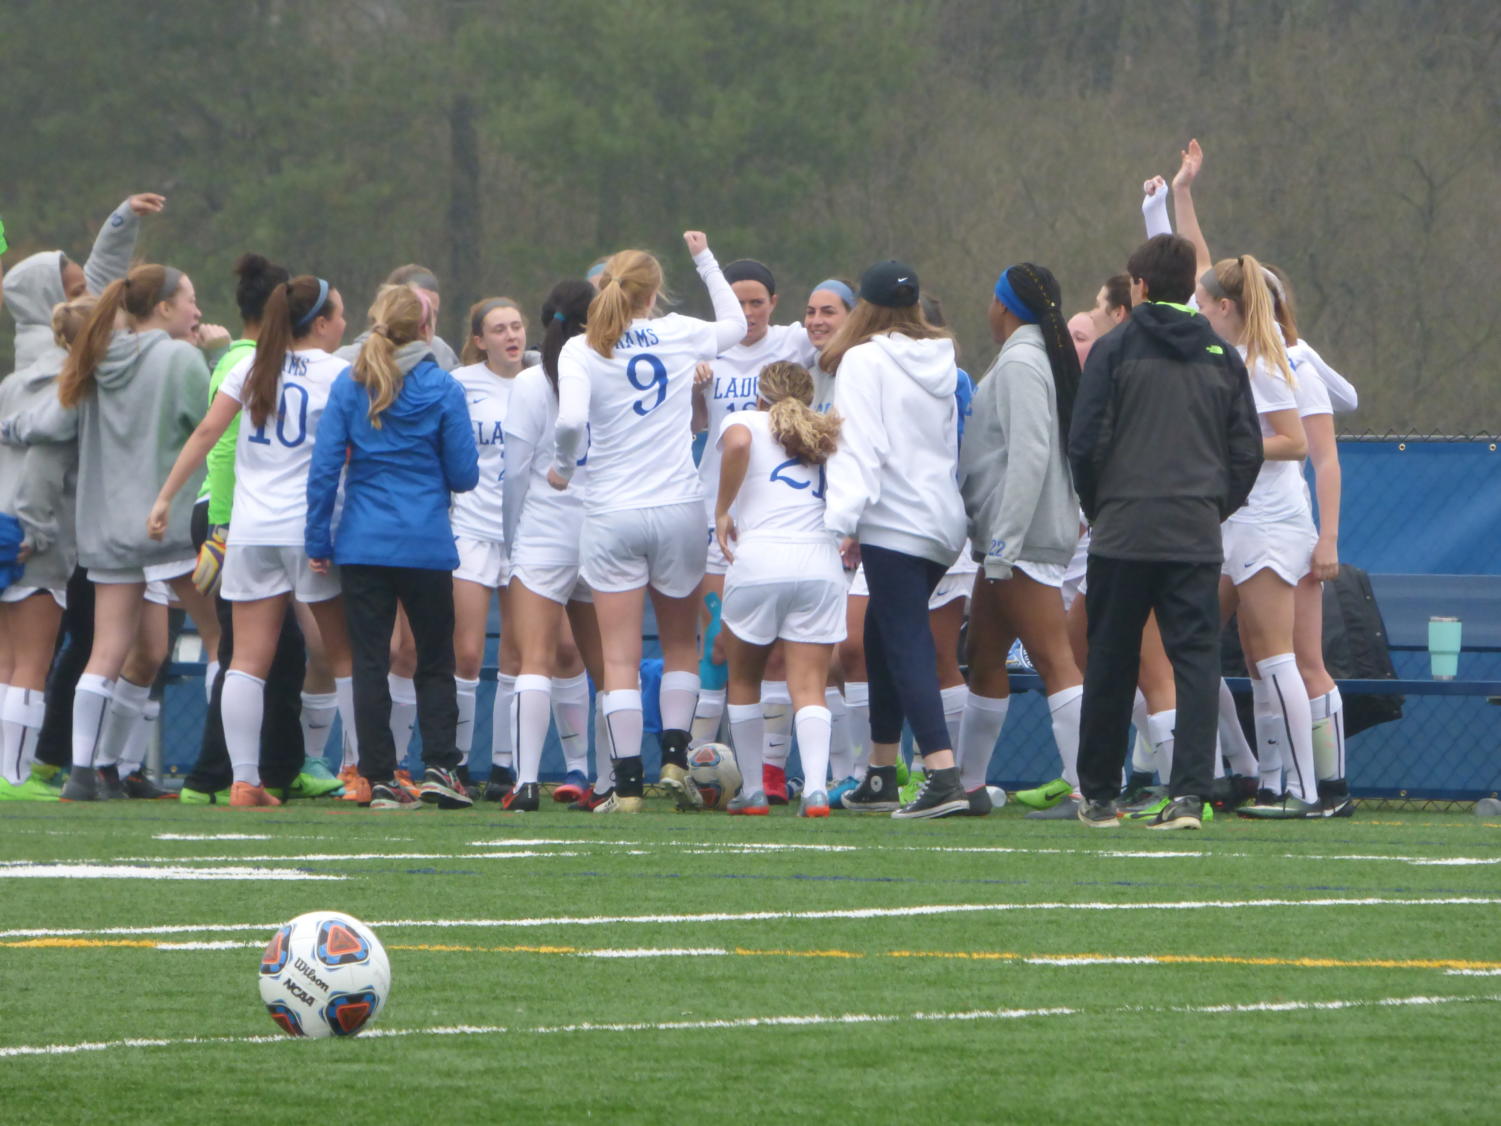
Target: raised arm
1183,203
729,318
116,242
1154,207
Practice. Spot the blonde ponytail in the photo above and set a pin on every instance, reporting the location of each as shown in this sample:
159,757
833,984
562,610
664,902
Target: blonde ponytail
396,318
803,432
1243,283
630,282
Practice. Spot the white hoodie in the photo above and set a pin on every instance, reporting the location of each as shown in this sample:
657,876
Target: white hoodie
893,480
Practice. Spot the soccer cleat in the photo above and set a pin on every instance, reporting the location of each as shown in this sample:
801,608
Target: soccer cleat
1184,812
814,804
590,801
749,804
443,789
1149,813
1232,792
912,786
836,795
394,796
501,782
138,785
674,779
242,795
1335,799
879,793
405,780
32,789
1044,797
1150,800
1137,783
1066,810
1098,814
980,804
903,771
575,783
190,796
941,795
357,791
82,785
774,783
110,786
1288,809
619,803
525,798
315,780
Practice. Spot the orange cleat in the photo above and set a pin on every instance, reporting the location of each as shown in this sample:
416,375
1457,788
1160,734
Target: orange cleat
242,795
356,788
404,780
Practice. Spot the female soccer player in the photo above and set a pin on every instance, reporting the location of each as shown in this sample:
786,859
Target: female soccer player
785,581
403,426
543,527
281,391
1023,522
894,501
625,390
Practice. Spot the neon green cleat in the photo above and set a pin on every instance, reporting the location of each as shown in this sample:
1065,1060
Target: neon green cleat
1044,797
912,786
1149,812
201,797
903,771
33,789
315,781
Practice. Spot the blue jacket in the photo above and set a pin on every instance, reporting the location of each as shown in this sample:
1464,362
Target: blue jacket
398,480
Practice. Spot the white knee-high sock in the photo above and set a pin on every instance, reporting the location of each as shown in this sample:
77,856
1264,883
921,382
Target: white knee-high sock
210,674
707,715
24,709
1160,736
1142,759
344,696
570,711
1328,734
748,734
134,754
243,705
90,699
679,698
954,700
604,768
1063,709
403,714
857,700
1233,745
502,753
120,719
533,714
984,717
317,720
776,711
624,720
841,753
463,735
1281,673
813,727
1268,736
10,738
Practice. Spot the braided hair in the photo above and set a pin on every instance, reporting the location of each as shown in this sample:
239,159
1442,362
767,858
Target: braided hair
1038,290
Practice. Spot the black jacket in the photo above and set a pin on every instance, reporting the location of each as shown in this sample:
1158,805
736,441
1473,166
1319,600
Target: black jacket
1165,442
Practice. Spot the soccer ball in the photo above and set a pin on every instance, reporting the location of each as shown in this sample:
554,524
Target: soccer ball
712,769
324,974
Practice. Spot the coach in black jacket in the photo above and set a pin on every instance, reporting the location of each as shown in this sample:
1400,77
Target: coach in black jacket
1164,445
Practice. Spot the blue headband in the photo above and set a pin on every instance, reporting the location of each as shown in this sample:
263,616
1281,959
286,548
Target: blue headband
312,313
594,271
1007,297
834,285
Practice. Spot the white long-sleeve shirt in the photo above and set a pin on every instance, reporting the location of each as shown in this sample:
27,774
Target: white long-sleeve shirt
542,524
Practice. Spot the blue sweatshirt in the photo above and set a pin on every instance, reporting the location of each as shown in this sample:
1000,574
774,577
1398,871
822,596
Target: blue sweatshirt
399,477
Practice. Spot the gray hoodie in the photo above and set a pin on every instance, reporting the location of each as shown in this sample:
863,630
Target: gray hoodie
1015,480
37,483
149,395
442,354
35,284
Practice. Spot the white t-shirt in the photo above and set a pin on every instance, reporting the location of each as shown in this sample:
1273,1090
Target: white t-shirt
640,411
551,521
271,460
737,374
1279,493
823,390
479,513
781,498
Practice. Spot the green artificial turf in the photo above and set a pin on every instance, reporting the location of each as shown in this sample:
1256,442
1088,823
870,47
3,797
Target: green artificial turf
1218,1025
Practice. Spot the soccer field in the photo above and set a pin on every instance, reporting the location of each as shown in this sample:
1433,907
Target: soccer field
556,967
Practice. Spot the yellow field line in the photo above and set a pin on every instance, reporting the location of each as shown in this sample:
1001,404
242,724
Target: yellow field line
939,955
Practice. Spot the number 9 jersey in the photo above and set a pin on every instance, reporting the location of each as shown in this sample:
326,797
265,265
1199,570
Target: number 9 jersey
272,460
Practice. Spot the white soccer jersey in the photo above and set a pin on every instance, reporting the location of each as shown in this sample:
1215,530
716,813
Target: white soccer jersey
1311,393
737,372
823,390
479,513
640,411
548,527
781,498
271,460
1278,494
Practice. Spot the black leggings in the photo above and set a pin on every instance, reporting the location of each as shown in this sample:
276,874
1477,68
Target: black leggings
370,597
900,659
75,643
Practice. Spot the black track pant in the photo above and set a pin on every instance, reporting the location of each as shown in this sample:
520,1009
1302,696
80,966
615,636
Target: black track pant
900,659
75,643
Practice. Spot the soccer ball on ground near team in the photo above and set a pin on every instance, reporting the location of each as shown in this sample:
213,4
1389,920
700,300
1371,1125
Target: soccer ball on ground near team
324,974
712,768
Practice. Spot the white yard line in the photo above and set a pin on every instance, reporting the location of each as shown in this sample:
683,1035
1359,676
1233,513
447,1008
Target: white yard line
23,870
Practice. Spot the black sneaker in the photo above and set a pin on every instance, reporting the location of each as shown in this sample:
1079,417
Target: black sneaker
1184,812
392,795
502,782
1232,792
443,789
1335,799
878,793
1098,814
1138,783
942,795
110,787
980,804
525,798
82,785
591,801
138,784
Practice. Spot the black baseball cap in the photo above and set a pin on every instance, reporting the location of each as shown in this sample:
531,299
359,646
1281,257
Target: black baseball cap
891,284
